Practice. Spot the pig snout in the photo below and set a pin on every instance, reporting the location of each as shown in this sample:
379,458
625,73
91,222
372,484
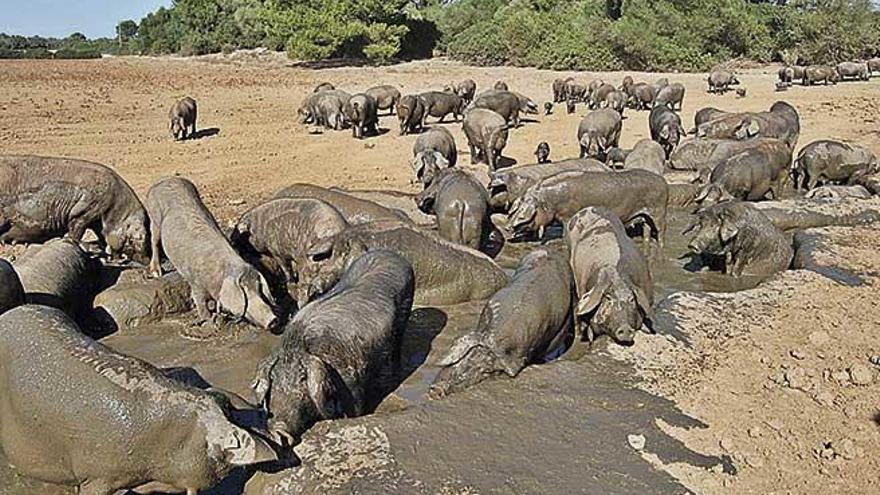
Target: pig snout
624,335
263,315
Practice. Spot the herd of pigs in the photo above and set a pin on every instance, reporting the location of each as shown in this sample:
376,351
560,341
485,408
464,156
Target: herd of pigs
339,274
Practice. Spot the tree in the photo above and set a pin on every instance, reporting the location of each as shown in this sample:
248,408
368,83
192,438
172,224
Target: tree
126,30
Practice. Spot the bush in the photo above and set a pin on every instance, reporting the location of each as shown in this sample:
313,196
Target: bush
7,53
479,44
77,53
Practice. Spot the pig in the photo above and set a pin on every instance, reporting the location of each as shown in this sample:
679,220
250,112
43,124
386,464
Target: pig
508,185
614,286
542,152
633,195
646,155
659,84
135,428
839,192
548,108
464,275
183,118
42,198
853,70
527,105
671,96
410,114
570,106
361,111
333,350
559,94
575,91
466,90
829,161
790,73
386,97
616,101
707,114
666,128
720,81
461,205
11,291
286,232
598,132
486,133
750,175
324,108
433,151
500,86
57,274
705,154
440,104
504,103
745,238
324,86
522,323
219,279
615,157
354,210
741,92
820,73
598,96
781,122
626,84
873,65
641,96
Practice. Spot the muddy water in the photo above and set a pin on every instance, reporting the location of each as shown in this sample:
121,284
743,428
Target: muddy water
229,361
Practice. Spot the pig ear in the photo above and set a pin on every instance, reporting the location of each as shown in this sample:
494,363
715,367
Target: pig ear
704,193
232,296
728,231
326,389
460,348
590,301
644,303
247,449
263,381
440,160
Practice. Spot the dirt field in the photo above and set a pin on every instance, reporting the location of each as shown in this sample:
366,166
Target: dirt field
781,376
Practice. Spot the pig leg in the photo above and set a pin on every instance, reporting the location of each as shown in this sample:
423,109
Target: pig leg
155,268
473,150
202,302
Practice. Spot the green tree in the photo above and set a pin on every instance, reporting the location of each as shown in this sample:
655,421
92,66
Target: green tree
126,30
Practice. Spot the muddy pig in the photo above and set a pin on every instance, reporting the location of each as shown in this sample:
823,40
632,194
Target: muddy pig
504,103
287,231
361,111
410,114
641,96
466,90
42,198
461,205
646,155
780,122
446,273
614,286
633,195
433,151
486,133
820,73
509,184
744,237
721,80
706,114
57,274
750,175
386,97
671,96
542,152
829,161
134,427
355,210
520,324
440,104
598,132
333,350
666,128
11,291
189,236
183,118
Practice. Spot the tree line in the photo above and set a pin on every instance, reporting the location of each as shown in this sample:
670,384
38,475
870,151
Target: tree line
686,35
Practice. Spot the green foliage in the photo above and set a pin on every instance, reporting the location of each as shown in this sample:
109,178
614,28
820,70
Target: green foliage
77,53
126,30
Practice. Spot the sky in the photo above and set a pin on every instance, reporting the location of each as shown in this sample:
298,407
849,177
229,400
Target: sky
59,18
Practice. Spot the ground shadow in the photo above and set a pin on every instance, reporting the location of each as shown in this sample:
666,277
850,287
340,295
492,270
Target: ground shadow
204,133
334,63
505,162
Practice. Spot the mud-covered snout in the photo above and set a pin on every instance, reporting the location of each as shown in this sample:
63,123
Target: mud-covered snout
245,294
624,335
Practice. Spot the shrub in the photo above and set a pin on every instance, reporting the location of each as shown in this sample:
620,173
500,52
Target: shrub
77,53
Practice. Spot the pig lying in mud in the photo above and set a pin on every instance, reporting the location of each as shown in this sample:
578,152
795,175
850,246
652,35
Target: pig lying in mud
334,348
647,155
42,198
433,151
57,274
11,290
446,273
188,234
744,237
355,210
508,185
519,325
614,285
287,231
705,154
134,428
750,175
829,161
838,192
461,205
781,122
633,195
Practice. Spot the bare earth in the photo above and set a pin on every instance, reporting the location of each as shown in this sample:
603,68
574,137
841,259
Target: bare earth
781,375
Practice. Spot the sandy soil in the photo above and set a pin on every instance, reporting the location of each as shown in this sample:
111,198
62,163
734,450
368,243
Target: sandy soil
781,375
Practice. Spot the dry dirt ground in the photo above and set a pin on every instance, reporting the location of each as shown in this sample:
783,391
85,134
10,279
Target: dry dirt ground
781,375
